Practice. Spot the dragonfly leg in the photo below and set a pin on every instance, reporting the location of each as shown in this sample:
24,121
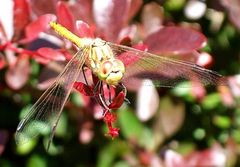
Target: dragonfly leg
102,92
102,97
98,96
84,76
109,93
123,87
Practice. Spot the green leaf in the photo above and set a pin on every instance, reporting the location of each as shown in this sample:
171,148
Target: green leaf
184,90
77,99
5,163
26,147
110,152
53,149
223,122
121,164
185,148
26,97
174,5
61,129
36,161
130,126
199,133
147,139
35,68
24,111
236,135
211,101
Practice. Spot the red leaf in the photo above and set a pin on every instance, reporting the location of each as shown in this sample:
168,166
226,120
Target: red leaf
2,62
3,35
83,30
233,9
51,54
43,6
35,28
175,40
4,137
117,101
41,60
18,74
134,8
214,156
83,88
85,13
110,16
67,55
21,17
65,16
152,17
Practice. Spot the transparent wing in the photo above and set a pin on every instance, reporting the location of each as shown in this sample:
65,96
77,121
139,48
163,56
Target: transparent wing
45,113
163,71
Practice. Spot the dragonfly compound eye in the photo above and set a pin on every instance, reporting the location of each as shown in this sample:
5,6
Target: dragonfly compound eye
111,71
105,69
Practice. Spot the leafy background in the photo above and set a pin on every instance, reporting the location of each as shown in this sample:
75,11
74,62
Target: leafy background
161,127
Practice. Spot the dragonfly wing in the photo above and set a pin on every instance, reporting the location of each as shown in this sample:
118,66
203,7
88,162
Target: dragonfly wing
45,113
163,71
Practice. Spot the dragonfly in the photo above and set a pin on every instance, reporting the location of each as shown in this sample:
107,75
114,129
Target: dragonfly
106,61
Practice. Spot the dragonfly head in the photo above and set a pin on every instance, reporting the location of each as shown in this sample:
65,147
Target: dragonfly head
111,71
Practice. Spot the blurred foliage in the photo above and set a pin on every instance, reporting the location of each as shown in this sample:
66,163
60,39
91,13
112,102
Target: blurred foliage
199,126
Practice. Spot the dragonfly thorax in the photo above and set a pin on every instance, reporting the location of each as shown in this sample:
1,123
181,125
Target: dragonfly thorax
104,64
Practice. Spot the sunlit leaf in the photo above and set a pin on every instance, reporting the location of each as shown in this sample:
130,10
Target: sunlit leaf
65,16
152,17
6,20
110,16
38,26
182,41
18,74
21,17
83,30
51,54
147,102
